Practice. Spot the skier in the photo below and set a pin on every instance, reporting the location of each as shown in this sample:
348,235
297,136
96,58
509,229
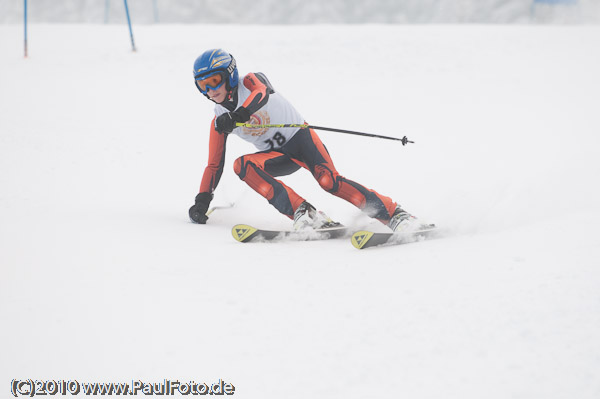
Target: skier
282,151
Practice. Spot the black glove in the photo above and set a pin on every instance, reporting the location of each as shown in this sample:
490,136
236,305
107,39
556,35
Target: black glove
198,210
226,122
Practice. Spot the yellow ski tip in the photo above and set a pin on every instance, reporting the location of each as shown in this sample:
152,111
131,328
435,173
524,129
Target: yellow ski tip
241,232
360,238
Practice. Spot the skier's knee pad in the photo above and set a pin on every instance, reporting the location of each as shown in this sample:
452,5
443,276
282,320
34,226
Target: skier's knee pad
239,167
326,182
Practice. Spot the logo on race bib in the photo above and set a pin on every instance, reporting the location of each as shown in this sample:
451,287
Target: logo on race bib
259,118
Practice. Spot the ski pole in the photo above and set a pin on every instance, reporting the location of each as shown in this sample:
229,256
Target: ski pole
214,208
404,139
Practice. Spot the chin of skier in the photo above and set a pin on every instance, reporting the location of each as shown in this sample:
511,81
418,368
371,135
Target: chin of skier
281,151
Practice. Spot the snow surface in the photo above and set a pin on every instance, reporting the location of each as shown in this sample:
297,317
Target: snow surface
104,278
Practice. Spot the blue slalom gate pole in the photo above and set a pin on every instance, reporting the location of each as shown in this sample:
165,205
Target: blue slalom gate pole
129,22
106,10
155,12
25,24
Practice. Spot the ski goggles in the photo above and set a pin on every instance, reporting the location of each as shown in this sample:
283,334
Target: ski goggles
210,82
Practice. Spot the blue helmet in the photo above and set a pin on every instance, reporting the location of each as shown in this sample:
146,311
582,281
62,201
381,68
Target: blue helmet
216,61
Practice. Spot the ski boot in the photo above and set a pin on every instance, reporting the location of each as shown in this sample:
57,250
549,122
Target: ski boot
404,222
307,217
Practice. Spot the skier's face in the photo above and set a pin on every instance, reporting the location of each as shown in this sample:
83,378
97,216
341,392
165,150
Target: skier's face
217,95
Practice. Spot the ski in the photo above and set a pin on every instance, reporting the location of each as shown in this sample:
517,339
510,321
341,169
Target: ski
246,233
367,239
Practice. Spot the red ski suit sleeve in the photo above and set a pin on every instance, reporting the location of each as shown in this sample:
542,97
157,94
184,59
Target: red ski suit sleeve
259,93
216,160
